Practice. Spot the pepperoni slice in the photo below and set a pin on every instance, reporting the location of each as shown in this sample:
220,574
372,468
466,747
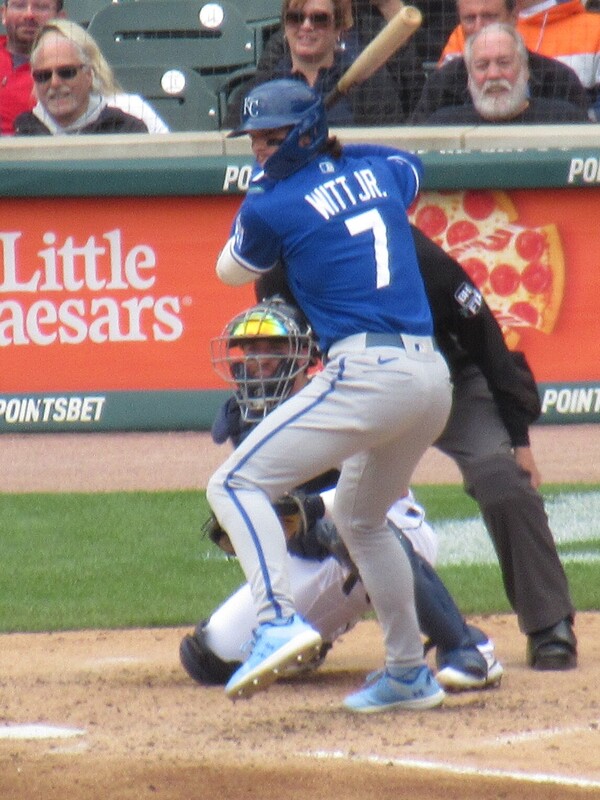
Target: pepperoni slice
476,270
530,245
431,220
479,205
537,278
526,312
461,231
504,280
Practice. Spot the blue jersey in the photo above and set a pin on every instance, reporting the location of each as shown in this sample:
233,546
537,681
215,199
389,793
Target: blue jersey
341,231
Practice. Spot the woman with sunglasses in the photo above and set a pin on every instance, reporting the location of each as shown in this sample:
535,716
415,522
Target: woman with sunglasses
319,44
68,86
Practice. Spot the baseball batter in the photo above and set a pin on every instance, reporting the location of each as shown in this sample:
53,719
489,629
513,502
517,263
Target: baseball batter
337,219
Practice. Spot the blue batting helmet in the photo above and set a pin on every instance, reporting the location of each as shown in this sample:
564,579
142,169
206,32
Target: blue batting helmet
286,103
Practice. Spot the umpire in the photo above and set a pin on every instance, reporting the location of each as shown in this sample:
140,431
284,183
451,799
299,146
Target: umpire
495,400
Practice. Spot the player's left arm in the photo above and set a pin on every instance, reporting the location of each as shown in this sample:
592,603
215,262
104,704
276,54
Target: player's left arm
230,270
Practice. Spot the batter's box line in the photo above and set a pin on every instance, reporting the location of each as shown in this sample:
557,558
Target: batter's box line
441,766
544,733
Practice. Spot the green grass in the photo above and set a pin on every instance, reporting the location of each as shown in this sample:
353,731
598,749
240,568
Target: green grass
72,561
75,561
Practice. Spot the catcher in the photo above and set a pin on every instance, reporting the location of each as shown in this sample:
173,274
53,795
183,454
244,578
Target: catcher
267,353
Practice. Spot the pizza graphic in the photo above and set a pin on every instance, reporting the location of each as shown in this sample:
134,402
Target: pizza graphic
519,270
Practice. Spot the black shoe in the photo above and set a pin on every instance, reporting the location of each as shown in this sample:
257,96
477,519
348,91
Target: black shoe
553,648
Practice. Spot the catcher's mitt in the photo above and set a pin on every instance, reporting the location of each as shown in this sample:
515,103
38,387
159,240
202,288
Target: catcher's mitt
297,513
218,535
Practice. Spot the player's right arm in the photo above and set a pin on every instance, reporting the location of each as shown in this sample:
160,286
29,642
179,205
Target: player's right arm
252,250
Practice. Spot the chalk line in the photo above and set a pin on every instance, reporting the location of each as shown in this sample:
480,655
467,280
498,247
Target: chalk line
441,766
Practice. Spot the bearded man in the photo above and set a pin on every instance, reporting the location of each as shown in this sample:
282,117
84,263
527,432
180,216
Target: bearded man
498,83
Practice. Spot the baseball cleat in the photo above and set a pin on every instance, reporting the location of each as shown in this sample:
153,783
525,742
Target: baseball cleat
276,646
495,668
469,668
416,689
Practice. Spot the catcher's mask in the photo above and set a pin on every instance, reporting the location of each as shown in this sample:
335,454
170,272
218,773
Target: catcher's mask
261,352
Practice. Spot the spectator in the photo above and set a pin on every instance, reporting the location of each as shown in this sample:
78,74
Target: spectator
363,20
571,34
564,31
498,83
447,85
315,47
22,20
69,80
109,87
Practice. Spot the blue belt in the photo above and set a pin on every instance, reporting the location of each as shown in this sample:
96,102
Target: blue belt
384,340
392,340
360,341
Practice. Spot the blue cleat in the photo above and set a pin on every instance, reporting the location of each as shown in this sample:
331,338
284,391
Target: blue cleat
277,645
415,690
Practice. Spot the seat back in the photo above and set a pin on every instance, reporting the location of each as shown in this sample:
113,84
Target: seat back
180,96
211,37
259,10
264,16
82,11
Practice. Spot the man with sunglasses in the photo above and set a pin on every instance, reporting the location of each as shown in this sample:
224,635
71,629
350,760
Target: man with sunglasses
22,20
68,100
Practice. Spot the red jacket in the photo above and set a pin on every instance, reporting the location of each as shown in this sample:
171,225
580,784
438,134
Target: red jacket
16,90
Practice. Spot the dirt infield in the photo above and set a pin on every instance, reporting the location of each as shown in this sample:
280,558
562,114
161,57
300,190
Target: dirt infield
140,728
110,714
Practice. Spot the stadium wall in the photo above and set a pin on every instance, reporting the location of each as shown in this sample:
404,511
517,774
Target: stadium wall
108,297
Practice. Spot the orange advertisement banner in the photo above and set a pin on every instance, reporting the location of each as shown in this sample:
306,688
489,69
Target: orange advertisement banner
113,294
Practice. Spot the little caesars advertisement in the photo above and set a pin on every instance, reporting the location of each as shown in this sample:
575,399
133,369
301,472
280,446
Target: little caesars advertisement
108,305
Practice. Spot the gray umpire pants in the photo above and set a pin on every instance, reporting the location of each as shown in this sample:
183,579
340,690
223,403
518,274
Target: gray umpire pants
512,509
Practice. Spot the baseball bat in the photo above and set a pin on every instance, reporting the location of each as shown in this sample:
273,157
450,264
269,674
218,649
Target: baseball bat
398,30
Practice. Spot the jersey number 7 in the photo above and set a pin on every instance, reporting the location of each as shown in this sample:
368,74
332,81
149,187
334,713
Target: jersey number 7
373,221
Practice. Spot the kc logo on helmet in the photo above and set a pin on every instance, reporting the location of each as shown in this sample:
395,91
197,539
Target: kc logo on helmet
251,107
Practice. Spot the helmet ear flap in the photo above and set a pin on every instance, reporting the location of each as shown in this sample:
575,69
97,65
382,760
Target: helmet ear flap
301,145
